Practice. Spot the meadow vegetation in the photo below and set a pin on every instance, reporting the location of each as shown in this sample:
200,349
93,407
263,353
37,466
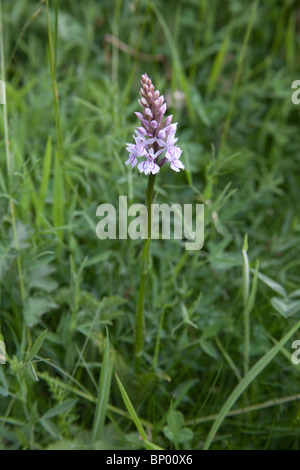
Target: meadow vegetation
216,369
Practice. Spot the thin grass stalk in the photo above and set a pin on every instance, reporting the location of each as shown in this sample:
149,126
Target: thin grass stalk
9,165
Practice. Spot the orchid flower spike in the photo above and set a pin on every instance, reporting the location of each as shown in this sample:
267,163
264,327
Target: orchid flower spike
155,138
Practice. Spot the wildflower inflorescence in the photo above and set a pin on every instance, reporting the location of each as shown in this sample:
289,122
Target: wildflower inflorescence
154,140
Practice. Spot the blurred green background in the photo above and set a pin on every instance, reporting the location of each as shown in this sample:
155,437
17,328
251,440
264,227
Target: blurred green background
72,72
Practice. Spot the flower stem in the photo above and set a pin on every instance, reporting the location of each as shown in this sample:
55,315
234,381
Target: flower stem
145,263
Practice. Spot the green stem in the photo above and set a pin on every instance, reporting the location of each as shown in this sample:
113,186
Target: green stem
139,319
247,341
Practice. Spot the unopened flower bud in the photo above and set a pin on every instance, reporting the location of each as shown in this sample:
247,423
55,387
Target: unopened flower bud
162,111
168,120
144,102
161,134
139,116
148,112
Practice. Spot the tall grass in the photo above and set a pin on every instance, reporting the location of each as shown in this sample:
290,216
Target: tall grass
216,369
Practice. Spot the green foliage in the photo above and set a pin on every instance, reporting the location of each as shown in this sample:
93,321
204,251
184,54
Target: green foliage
216,368
175,431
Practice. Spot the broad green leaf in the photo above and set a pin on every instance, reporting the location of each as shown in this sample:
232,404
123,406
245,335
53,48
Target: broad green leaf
6,261
272,284
59,409
39,276
32,372
296,293
37,345
175,431
184,435
285,307
209,348
50,427
35,306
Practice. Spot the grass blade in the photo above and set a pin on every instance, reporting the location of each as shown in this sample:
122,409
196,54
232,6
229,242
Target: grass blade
131,409
103,393
46,173
58,196
216,69
245,382
135,418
